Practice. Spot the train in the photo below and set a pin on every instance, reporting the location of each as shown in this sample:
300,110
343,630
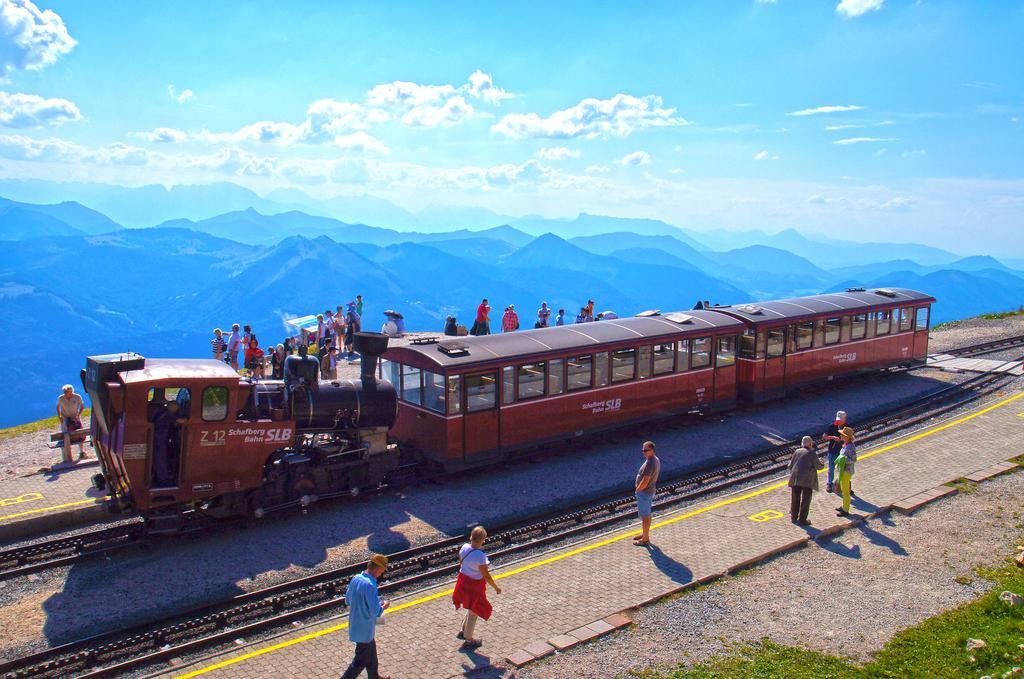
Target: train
180,438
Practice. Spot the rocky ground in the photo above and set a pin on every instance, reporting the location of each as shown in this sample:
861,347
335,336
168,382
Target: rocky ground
974,331
846,597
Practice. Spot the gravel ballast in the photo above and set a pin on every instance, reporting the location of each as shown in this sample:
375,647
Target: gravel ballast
846,596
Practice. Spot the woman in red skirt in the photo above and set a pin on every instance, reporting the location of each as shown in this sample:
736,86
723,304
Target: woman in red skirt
471,587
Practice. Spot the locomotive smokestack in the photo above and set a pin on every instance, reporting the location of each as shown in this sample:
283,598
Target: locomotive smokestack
369,345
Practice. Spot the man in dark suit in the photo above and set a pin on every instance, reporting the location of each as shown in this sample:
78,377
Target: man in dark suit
803,480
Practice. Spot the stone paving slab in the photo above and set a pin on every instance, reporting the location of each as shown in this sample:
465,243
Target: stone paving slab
44,502
562,594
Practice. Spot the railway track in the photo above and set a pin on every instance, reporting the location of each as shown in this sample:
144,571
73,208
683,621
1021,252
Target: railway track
262,611
988,347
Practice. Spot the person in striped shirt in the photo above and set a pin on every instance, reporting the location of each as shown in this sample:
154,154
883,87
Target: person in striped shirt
218,344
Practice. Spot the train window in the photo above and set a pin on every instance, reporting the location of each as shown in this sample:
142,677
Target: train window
412,390
906,318
726,352
480,392
844,329
623,365
664,358
748,344
601,369
644,362
683,364
803,335
159,398
577,371
859,326
775,342
832,330
701,355
454,394
819,332
531,380
922,318
555,378
883,322
508,394
391,371
215,404
433,391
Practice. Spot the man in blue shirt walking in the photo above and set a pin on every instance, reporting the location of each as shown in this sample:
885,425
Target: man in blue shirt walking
364,607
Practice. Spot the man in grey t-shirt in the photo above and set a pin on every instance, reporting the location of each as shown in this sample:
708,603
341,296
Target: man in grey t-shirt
646,486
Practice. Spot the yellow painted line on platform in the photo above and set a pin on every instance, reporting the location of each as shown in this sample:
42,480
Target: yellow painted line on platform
589,546
41,510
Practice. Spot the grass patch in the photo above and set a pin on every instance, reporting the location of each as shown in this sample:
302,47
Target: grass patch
935,648
49,424
995,316
963,486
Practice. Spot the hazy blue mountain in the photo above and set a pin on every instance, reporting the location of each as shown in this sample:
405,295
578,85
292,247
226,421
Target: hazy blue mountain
981,263
18,223
504,233
250,226
144,205
765,259
651,256
76,216
960,294
877,269
361,209
450,217
484,250
595,225
607,243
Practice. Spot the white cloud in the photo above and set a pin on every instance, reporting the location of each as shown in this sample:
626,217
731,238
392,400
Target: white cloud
766,2
597,169
861,140
19,147
164,135
880,152
833,128
824,109
1015,119
361,141
914,153
898,203
327,118
452,112
180,97
676,170
29,38
30,110
619,116
481,86
851,9
405,96
558,153
637,158
764,155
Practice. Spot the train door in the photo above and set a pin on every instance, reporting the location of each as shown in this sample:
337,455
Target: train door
167,412
773,381
481,421
921,333
725,371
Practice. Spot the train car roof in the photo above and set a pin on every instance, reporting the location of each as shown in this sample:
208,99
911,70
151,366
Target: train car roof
851,300
460,351
179,369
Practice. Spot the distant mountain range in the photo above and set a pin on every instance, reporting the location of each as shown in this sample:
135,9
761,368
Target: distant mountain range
74,281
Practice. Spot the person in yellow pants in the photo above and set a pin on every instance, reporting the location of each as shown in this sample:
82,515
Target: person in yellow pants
845,464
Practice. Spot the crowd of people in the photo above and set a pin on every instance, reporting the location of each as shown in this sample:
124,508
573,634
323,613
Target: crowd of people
474,576
330,343
510,318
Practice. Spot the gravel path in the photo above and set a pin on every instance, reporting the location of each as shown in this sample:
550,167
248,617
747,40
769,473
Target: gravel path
895,572
974,331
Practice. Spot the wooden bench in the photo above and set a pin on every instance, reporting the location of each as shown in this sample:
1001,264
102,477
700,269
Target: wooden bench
77,436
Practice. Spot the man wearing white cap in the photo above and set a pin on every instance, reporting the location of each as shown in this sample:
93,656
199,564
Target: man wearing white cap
835,443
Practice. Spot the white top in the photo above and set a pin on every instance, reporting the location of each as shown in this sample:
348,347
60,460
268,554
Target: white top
472,558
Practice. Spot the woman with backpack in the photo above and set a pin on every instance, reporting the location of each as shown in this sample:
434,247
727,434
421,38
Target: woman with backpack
844,468
471,587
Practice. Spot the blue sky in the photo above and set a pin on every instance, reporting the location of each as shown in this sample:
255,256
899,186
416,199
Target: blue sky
860,118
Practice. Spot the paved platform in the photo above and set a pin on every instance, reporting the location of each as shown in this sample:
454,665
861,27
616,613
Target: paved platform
573,594
977,365
49,501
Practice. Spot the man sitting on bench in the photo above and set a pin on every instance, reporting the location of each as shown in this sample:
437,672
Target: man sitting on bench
69,414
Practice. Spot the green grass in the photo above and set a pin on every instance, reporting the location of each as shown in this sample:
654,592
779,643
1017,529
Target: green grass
935,648
995,316
49,424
